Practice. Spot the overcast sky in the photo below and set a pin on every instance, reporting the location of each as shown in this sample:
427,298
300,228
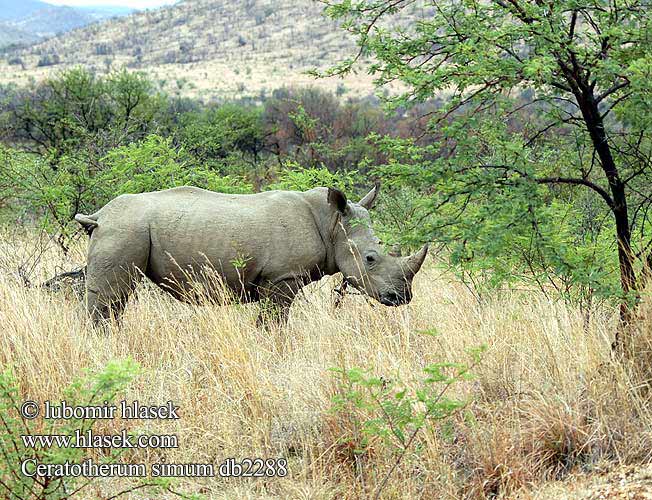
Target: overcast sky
136,4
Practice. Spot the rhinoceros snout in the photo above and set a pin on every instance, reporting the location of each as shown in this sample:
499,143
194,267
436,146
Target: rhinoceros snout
395,299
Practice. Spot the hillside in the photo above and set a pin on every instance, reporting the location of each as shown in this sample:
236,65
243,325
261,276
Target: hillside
11,35
31,21
52,19
10,10
206,48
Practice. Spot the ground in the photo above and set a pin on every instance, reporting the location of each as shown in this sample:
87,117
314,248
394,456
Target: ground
550,412
623,483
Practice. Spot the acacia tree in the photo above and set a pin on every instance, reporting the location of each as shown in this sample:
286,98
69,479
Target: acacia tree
584,66
78,111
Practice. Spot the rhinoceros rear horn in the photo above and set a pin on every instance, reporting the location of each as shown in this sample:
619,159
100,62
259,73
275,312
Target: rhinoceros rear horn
415,261
370,198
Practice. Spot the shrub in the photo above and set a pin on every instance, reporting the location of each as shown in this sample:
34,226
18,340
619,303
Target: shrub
154,164
48,60
297,178
389,413
93,389
29,183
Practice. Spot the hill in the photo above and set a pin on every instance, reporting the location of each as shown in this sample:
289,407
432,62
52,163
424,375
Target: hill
10,10
10,35
31,21
206,48
52,19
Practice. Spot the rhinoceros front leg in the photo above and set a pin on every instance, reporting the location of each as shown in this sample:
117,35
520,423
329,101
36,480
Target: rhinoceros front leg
276,299
115,257
102,307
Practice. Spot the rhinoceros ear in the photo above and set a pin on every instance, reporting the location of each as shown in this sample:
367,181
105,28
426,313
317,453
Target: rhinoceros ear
337,199
370,198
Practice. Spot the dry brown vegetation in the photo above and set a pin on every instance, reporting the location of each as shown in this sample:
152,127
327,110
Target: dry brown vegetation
204,48
549,402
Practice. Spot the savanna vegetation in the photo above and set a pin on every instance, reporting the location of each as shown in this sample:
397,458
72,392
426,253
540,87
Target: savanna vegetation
517,144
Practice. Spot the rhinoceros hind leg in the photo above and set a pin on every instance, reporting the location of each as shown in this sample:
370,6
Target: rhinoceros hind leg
276,299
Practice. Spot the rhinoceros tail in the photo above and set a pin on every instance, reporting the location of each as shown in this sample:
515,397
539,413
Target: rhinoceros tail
87,222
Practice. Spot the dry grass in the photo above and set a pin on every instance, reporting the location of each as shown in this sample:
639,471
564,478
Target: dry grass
548,400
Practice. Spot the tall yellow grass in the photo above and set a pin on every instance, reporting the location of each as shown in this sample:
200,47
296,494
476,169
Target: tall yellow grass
548,398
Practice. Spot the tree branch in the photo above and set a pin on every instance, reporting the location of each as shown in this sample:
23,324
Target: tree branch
581,182
613,89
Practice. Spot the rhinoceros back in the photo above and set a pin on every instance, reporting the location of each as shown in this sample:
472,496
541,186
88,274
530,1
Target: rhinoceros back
248,239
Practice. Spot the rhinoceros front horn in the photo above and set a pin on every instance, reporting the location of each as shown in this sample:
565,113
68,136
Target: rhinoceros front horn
415,261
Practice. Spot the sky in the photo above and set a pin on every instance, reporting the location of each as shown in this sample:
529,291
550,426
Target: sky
136,4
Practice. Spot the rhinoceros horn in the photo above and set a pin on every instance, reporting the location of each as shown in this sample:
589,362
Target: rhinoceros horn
370,198
415,261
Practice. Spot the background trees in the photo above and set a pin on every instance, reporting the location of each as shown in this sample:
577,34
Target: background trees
73,142
79,111
544,99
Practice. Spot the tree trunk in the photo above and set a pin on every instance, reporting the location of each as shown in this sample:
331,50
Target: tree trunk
595,127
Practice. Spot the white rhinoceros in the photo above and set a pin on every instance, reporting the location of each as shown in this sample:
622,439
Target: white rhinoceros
260,246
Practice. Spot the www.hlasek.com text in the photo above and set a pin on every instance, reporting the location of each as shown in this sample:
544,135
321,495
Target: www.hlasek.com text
88,439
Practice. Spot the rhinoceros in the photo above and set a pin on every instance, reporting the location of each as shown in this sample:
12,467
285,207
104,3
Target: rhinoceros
263,246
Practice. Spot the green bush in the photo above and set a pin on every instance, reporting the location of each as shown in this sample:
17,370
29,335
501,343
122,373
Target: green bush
98,388
387,412
154,164
297,178
53,196
215,134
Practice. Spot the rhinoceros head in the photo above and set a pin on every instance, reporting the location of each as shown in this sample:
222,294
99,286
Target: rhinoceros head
360,256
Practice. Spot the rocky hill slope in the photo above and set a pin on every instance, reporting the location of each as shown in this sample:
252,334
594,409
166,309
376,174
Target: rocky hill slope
207,48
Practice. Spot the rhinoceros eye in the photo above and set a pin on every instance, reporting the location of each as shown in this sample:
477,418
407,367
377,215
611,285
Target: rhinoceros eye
371,258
